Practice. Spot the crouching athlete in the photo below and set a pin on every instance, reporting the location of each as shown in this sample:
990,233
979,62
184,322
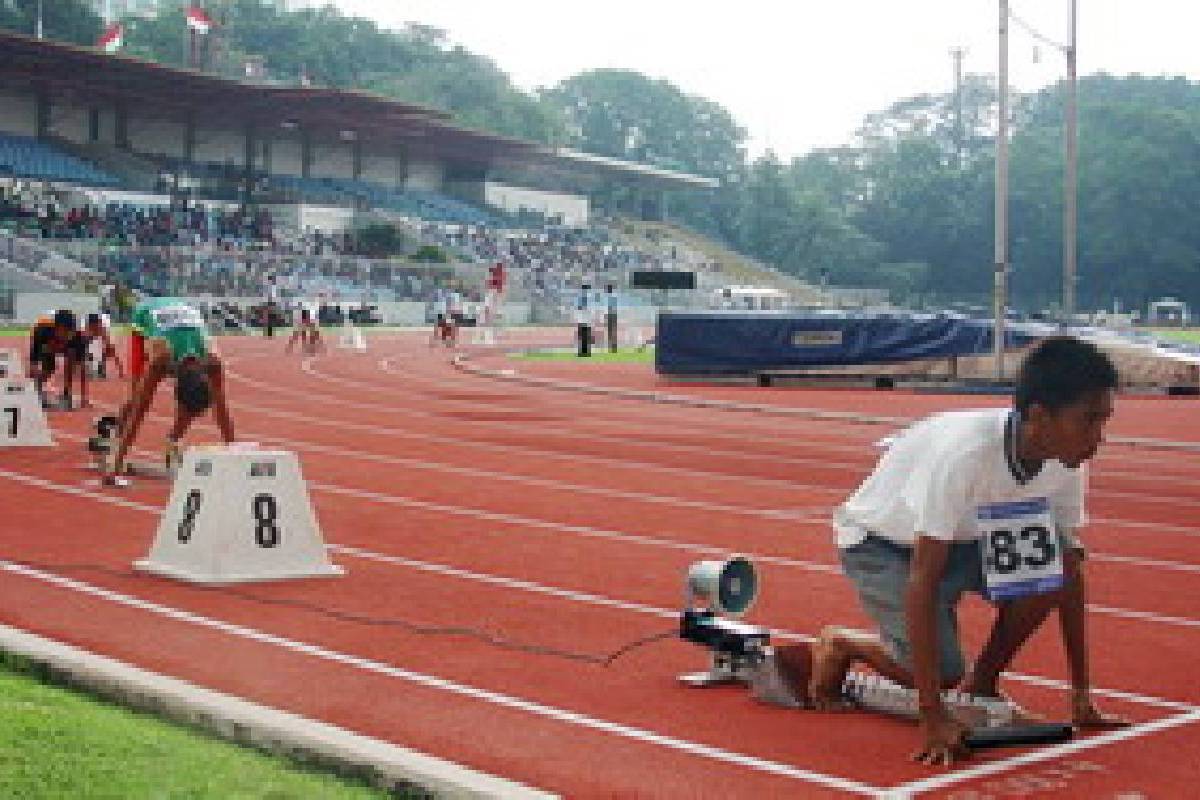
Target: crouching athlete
169,339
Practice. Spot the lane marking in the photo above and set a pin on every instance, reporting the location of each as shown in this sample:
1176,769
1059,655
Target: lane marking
548,483
1049,753
475,693
1033,680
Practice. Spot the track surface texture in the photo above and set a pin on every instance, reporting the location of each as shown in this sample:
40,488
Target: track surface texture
502,535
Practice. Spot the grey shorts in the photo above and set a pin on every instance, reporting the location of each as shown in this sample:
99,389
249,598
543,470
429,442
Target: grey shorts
879,570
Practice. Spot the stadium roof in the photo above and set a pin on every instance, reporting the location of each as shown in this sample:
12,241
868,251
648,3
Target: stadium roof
85,76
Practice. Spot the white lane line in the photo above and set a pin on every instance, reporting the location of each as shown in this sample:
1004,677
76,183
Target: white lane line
627,463
1033,680
768,513
914,788
1154,563
547,483
464,690
824,464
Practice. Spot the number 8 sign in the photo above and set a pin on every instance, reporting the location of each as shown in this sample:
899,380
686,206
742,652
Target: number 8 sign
238,515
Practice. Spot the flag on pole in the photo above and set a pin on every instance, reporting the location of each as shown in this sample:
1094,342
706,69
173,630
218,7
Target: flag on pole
113,37
198,20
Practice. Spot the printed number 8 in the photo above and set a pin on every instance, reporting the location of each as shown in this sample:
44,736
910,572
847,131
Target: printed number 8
191,506
266,532
1007,558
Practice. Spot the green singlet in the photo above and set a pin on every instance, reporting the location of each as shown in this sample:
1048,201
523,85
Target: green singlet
173,320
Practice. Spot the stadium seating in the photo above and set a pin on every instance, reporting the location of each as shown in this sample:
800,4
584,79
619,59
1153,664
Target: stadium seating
25,157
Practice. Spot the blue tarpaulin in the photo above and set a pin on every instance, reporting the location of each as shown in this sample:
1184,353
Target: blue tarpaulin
732,342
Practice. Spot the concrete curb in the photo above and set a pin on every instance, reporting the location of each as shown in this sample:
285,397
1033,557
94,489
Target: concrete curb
463,363
307,741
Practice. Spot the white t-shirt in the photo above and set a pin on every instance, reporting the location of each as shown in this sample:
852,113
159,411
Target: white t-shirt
938,472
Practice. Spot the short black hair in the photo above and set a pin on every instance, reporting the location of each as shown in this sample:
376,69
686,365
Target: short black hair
65,318
192,389
1060,371
93,319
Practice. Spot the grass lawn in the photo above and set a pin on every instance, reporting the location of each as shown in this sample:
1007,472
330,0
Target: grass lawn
57,743
1181,335
625,355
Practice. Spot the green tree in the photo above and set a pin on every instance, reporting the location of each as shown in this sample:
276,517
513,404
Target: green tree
71,21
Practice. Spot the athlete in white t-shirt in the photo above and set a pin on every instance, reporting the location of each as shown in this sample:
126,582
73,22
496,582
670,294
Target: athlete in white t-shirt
986,501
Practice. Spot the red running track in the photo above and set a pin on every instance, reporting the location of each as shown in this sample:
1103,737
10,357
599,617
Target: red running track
565,521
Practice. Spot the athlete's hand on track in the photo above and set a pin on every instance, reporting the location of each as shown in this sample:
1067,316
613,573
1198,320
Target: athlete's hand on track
944,739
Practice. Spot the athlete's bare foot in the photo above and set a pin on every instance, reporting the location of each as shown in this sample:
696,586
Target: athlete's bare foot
830,661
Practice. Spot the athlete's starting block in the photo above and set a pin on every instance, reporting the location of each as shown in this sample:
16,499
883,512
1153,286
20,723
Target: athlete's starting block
238,514
10,364
22,420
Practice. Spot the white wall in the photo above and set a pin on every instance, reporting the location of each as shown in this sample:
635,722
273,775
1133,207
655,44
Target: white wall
332,161
28,306
424,175
220,146
572,208
17,114
156,136
326,219
285,157
381,169
69,122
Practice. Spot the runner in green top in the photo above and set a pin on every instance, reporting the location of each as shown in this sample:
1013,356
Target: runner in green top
170,338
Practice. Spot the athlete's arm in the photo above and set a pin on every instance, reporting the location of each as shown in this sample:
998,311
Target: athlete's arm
1072,619
220,406
159,358
943,734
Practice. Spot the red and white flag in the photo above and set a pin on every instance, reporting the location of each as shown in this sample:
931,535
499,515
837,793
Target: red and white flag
113,37
199,20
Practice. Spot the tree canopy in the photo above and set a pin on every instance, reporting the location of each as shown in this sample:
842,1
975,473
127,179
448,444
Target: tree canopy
907,205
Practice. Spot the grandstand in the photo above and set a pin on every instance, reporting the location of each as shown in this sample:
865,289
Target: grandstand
105,157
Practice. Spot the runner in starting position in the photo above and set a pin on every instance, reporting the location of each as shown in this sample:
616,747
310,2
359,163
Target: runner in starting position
169,339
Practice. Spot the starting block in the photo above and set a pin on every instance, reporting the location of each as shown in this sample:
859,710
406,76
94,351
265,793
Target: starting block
22,419
351,338
238,514
10,364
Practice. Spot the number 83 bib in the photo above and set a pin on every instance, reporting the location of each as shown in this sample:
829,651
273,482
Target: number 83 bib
1020,549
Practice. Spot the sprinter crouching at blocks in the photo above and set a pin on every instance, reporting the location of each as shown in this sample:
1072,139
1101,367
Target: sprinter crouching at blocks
169,338
986,501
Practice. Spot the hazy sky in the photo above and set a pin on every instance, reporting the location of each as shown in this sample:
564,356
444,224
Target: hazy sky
800,74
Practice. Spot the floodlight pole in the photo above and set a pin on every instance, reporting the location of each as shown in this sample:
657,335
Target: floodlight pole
1001,227
1071,178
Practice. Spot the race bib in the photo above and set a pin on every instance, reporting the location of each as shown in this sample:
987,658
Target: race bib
1021,550
180,316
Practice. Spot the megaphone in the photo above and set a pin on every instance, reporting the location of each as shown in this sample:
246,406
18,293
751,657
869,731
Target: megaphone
725,587
722,589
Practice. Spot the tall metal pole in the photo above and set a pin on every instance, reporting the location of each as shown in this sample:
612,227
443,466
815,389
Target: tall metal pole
39,20
957,54
1001,232
1070,179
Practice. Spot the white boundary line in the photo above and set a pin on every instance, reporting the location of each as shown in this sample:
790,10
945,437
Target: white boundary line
1033,680
496,698
913,788
826,464
462,362
622,463
591,532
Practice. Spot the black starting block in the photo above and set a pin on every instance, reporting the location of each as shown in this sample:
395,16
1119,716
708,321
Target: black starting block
1019,735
